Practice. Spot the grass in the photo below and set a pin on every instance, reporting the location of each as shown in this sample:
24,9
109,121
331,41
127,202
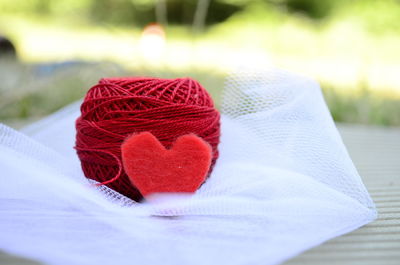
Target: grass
364,107
356,63
341,54
29,93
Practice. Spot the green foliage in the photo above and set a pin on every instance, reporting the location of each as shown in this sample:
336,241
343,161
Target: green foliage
26,92
35,96
118,12
376,16
365,107
313,8
45,7
325,32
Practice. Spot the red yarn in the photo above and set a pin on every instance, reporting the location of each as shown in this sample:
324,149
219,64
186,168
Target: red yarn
118,107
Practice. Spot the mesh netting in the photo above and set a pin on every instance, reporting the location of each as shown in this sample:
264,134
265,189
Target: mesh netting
289,126
283,183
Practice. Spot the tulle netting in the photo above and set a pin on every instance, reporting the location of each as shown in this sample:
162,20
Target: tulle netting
284,183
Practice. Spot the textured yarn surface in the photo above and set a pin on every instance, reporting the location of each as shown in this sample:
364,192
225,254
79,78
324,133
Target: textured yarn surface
154,169
118,107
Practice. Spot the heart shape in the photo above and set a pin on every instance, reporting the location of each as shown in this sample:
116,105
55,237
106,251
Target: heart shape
154,169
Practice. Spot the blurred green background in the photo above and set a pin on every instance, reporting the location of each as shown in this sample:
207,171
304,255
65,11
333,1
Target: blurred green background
352,47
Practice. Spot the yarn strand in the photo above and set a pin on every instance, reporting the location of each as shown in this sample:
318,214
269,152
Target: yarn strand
116,108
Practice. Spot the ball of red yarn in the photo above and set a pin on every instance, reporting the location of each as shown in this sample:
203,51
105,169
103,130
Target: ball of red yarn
119,107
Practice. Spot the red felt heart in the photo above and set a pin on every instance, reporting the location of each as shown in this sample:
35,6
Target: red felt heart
152,168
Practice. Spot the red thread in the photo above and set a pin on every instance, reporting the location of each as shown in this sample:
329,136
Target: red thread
118,107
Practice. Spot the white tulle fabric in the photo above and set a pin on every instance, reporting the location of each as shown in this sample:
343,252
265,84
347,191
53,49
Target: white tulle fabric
284,183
